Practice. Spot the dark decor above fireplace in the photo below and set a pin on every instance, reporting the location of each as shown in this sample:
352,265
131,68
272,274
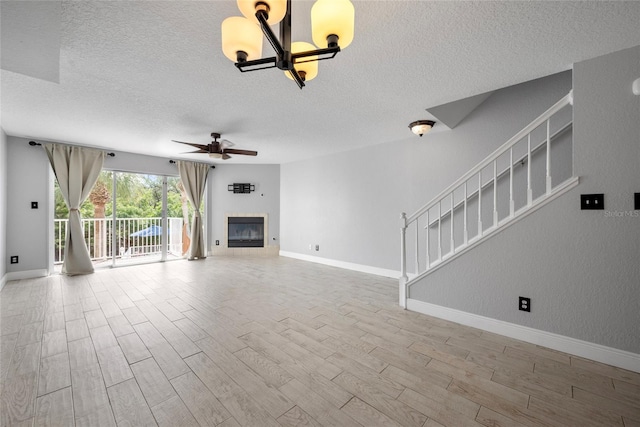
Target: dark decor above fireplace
245,232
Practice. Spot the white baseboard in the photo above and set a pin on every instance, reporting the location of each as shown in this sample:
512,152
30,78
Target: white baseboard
342,264
610,356
27,274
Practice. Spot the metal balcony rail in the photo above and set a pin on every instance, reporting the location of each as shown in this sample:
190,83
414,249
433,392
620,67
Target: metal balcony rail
135,237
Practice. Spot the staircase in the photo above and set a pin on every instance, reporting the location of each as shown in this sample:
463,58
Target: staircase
529,170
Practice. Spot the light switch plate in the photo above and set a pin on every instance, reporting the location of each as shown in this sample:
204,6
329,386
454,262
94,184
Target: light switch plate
592,201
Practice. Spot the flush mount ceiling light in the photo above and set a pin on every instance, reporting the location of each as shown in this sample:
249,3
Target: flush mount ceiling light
420,127
332,23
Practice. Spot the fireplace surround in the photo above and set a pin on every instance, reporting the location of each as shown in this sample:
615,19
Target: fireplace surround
226,247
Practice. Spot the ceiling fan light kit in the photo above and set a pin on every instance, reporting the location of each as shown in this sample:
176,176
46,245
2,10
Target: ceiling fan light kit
420,127
332,26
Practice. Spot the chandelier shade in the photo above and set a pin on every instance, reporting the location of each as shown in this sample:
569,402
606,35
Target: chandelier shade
332,18
241,35
276,9
307,70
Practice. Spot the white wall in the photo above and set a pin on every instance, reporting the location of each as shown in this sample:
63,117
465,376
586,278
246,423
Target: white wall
265,198
350,203
4,259
580,268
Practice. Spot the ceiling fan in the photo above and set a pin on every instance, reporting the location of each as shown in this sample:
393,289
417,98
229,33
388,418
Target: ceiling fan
218,149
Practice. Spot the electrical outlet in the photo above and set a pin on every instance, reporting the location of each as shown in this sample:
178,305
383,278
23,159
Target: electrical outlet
524,304
217,242
34,205
592,201
317,248
14,259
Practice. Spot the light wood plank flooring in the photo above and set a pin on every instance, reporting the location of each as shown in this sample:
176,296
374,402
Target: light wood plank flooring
275,342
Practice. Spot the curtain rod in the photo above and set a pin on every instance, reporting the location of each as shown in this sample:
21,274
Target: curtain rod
33,144
173,162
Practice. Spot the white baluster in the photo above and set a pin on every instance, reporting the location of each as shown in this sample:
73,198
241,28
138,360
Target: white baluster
529,189
466,234
512,205
417,248
548,157
453,244
495,193
427,228
480,204
440,230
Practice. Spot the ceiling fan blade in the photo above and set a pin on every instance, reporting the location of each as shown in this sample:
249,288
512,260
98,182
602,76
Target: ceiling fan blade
198,152
199,146
225,156
243,152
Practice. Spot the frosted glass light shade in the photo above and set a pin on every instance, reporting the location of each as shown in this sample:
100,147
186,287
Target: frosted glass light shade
241,34
332,17
309,68
277,9
420,127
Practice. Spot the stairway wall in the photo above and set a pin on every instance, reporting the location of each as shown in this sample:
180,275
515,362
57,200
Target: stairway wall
580,268
349,203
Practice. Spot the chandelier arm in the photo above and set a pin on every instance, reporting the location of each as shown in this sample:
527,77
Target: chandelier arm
266,30
259,64
296,77
285,36
330,53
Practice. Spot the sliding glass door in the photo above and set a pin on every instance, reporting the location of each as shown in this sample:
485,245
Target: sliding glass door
138,218
129,218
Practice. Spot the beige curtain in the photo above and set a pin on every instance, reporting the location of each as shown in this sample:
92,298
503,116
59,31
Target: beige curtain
194,178
76,170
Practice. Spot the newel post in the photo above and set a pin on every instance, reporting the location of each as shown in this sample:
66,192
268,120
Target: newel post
403,262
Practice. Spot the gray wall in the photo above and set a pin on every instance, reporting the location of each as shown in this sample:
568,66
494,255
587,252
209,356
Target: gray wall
4,259
27,229
265,198
350,203
580,268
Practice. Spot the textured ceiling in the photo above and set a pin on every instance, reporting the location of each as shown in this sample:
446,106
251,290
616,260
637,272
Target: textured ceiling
135,75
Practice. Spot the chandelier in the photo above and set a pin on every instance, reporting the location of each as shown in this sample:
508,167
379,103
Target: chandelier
332,23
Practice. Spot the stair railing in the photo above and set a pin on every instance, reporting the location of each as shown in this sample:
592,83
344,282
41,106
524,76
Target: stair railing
435,221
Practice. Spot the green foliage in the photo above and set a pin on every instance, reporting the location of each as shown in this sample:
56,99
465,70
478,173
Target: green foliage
139,196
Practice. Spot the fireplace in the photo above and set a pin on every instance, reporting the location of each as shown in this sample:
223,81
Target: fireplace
245,232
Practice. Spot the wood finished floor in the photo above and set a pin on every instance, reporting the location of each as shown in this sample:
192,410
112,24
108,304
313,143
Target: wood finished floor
275,342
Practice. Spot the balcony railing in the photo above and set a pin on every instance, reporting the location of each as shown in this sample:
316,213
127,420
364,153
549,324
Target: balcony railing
134,236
